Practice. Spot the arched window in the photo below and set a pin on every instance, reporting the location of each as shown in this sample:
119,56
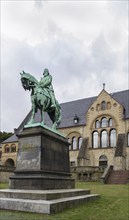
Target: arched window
103,161
110,122
74,143
98,107
69,140
97,124
104,139
80,142
112,139
108,105
103,105
13,148
95,139
10,163
7,149
103,122
128,139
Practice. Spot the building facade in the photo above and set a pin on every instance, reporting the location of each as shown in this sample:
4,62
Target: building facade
97,129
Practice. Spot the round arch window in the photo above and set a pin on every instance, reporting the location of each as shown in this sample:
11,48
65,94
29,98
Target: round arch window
95,139
104,139
104,122
9,163
103,162
112,138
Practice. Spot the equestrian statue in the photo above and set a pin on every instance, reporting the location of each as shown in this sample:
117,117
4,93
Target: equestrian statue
42,97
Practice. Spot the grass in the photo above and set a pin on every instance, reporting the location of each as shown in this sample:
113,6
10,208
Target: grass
113,205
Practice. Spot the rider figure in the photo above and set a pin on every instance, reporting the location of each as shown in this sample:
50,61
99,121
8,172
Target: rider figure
46,82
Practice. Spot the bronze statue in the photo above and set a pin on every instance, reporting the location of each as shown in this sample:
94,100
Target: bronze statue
42,97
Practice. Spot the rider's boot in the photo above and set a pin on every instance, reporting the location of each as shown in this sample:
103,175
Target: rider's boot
53,102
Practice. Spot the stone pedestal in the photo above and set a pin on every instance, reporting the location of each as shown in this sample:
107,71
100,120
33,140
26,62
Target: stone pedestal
43,161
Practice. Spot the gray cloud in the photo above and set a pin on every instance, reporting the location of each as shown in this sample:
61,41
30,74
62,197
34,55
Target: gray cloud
78,67
39,3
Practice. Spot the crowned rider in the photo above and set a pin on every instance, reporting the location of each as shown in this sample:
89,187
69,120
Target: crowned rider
46,82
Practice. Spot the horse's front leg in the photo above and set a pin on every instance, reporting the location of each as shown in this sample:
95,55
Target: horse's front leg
33,111
32,116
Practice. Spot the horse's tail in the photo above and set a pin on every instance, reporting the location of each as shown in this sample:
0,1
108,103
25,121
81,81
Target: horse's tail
58,112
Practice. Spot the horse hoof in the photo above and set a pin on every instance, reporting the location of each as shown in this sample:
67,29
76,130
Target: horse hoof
30,122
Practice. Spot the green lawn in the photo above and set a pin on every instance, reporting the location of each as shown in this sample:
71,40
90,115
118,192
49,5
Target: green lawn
113,205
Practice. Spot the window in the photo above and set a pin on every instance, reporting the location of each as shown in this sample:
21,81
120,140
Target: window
104,135
95,139
112,138
108,105
7,149
74,143
110,122
103,122
98,107
103,105
75,140
70,143
10,163
103,161
104,139
97,124
72,163
13,148
80,142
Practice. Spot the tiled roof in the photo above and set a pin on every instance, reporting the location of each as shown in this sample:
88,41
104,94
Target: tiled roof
13,138
123,98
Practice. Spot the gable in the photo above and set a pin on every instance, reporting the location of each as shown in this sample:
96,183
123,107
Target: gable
104,101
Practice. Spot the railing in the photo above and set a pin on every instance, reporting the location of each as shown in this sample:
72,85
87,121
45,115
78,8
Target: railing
106,173
6,168
84,169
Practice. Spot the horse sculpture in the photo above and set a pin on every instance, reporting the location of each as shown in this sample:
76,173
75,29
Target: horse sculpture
40,99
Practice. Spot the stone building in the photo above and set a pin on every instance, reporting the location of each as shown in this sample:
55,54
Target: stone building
9,151
97,129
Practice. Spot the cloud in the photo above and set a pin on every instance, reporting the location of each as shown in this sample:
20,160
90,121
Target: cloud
39,3
82,49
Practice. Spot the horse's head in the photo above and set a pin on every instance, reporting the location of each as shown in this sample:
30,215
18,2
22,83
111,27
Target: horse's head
25,81
28,81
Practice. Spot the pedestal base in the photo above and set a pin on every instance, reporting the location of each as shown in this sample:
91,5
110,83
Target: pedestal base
41,180
42,162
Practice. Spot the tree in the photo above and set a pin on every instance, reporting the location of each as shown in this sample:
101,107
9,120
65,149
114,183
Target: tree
4,135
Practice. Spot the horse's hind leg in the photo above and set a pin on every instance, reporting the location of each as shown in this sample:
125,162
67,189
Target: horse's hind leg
54,126
32,117
42,116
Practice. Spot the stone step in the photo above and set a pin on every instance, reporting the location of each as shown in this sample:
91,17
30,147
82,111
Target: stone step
43,206
118,177
42,194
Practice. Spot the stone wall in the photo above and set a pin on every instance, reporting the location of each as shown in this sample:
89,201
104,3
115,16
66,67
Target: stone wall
4,176
5,173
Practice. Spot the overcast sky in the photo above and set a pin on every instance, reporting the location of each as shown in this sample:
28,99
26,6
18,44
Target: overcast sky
83,44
